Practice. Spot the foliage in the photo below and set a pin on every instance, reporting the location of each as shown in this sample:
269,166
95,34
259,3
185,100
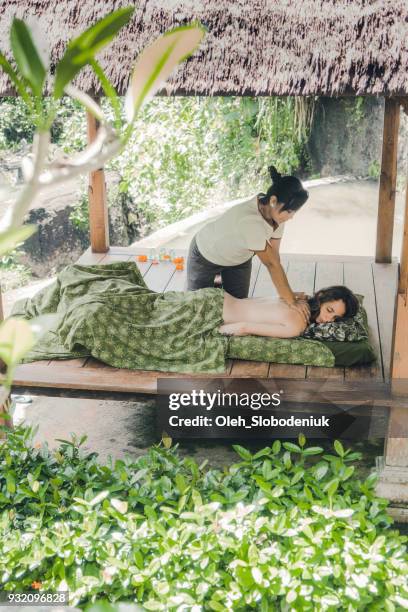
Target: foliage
374,169
357,110
28,72
270,532
80,212
186,153
15,123
13,274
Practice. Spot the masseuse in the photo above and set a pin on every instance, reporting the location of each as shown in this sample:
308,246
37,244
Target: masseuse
254,226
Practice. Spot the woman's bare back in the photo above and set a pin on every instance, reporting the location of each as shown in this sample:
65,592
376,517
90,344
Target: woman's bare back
272,313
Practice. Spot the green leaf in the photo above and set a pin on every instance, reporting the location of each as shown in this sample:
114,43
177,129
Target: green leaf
81,50
215,605
13,237
349,471
331,487
253,554
293,448
320,470
157,62
262,484
257,575
16,339
98,498
242,452
10,483
345,513
14,78
298,476
262,453
86,101
27,57
35,485
119,505
371,480
301,440
197,499
181,483
277,492
313,450
339,448
276,446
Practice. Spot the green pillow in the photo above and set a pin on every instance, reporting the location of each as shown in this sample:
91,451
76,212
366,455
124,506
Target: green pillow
280,350
351,353
352,329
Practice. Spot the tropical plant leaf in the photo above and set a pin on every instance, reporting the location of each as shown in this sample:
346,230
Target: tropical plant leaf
11,238
16,339
86,101
27,56
81,50
14,78
157,62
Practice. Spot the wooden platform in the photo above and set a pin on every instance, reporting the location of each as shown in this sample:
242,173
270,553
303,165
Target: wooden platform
377,282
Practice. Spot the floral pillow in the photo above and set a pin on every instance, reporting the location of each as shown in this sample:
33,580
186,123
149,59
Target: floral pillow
347,330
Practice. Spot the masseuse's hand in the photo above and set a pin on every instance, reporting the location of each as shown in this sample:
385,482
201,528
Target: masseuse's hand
302,307
233,329
300,295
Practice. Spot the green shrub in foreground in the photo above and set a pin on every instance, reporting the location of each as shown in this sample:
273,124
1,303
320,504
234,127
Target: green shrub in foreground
271,532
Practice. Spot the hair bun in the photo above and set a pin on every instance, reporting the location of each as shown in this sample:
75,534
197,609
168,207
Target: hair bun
274,174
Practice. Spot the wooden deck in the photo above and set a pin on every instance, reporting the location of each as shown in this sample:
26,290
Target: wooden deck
377,282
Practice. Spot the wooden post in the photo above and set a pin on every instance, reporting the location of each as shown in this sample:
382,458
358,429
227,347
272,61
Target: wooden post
403,278
388,180
98,207
393,481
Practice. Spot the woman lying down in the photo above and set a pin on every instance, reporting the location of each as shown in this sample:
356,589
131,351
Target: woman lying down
107,311
268,317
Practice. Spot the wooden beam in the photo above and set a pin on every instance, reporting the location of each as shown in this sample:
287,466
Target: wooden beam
98,207
403,277
388,181
393,467
400,341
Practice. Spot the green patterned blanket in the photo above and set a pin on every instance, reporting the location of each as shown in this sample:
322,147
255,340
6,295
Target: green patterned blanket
108,312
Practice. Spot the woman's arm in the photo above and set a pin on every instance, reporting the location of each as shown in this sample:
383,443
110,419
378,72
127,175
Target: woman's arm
271,259
272,330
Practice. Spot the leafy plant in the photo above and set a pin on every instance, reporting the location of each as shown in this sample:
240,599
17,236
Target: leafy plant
28,74
187,153
374,169
271,532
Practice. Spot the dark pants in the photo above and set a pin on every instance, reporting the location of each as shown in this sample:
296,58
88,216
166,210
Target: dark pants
201,273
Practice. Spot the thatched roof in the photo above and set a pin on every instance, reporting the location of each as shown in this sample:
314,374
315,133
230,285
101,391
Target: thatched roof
258,47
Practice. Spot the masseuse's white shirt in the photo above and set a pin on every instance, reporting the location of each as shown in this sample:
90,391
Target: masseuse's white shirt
231,239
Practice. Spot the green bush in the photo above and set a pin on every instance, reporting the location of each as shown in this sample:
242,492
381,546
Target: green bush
68,129
13,274
270,532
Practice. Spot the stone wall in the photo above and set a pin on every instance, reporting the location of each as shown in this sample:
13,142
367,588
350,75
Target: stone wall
346,137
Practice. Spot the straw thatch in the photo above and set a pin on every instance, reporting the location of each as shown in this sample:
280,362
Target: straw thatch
258,47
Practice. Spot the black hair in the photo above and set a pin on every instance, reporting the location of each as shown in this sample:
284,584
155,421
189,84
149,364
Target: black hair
288,190
330,294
